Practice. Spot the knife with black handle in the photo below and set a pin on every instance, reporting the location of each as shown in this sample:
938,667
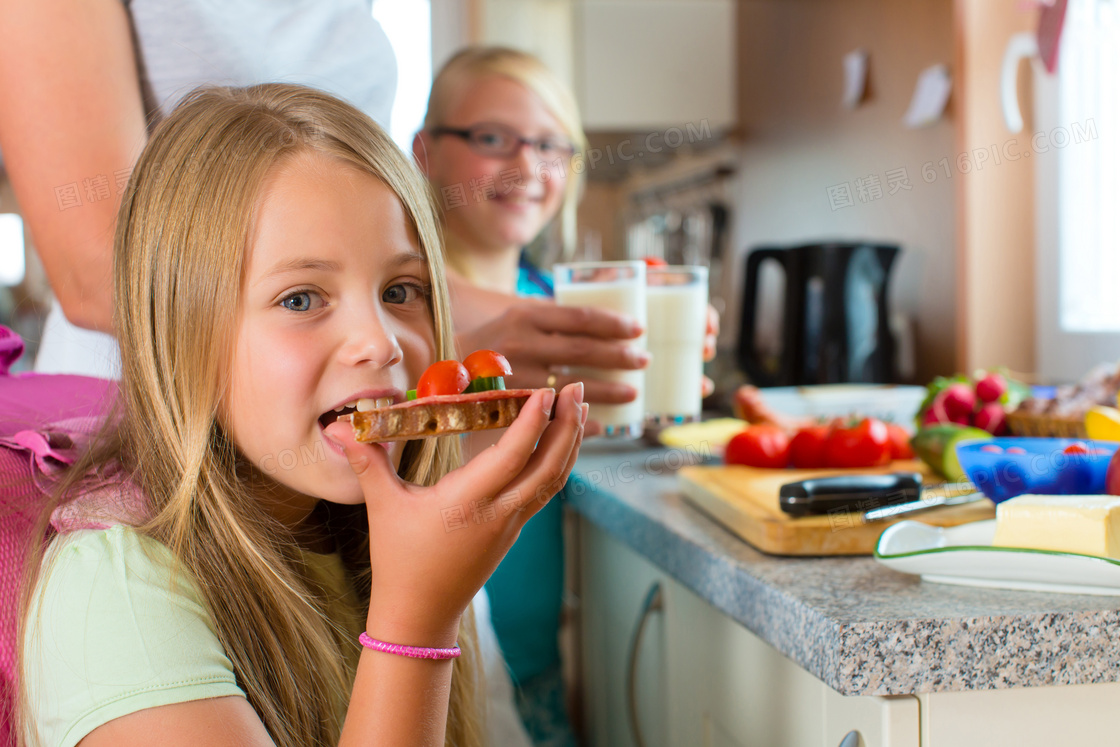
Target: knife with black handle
826,495
874,496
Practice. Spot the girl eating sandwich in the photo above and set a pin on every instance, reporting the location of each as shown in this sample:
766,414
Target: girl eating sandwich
237,570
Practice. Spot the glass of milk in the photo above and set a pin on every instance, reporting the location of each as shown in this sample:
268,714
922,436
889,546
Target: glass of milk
615,286
676,320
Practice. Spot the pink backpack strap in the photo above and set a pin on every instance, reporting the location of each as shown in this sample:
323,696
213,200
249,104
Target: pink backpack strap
46,421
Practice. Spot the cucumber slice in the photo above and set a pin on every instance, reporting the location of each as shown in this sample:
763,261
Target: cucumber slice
936,445
486,384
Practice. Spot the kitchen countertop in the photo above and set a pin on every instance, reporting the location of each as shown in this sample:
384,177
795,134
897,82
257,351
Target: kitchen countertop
858,626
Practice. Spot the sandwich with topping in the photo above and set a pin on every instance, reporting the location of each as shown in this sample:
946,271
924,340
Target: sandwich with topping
450,398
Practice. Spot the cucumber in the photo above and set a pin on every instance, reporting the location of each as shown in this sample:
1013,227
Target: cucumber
936,445
486,384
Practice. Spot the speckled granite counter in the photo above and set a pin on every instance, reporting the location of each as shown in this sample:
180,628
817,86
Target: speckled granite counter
861,628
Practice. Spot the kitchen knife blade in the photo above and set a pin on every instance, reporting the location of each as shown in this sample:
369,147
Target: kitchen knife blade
923,504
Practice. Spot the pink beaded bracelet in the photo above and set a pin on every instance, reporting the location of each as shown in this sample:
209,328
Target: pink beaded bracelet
415,652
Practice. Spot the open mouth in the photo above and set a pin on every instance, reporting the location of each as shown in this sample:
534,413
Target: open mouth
360,405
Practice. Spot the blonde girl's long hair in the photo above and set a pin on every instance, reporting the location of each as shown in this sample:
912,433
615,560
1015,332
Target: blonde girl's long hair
181,238
473,63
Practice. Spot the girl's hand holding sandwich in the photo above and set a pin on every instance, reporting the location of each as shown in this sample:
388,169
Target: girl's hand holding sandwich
453,534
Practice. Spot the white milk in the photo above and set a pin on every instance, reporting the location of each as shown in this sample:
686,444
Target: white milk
677,318
626,297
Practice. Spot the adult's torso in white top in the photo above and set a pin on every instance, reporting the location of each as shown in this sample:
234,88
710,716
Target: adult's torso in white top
333,45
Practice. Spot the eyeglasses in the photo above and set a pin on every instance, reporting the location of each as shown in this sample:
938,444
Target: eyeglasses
499,141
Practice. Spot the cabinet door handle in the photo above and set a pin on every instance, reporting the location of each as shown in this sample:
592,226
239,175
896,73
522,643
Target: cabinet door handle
851,739
653,603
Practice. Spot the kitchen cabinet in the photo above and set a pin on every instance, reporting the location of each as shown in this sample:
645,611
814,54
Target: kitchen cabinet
616,582
654,64
545,28
764,651
635,65
1069,715
703,679
730,687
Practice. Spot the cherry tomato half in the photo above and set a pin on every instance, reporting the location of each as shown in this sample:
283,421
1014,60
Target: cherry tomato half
806,450
866,444
1077,448
443,377
655,262
486,363
761,445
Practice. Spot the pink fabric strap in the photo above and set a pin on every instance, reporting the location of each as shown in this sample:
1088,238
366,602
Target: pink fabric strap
414,652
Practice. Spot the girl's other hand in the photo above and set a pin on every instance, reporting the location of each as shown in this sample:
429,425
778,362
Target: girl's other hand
432,548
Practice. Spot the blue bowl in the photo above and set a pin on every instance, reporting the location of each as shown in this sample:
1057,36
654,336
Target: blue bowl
1042,467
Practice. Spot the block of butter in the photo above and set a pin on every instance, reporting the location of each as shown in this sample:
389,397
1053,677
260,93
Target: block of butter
1085,524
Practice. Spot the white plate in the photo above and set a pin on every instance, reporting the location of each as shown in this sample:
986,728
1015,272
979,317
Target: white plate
884,401
964,555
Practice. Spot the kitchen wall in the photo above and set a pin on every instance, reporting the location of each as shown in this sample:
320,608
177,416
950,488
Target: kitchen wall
965,280
798,141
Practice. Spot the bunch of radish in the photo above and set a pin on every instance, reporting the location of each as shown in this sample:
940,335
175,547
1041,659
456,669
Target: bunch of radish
981,403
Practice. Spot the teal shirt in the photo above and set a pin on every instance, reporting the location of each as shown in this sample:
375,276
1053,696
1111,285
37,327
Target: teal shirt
526,590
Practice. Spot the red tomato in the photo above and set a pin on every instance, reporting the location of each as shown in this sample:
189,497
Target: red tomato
866,444
443,377
1077,448
806,450
759,446
482,363
655,262
900,442
1112,475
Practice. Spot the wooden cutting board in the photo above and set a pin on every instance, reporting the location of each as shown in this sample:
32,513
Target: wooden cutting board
745,500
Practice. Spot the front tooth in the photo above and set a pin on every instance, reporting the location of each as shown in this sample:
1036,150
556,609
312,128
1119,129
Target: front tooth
384,401
340,408
366,404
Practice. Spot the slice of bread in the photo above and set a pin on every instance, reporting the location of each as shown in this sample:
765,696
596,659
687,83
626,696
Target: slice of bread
441,415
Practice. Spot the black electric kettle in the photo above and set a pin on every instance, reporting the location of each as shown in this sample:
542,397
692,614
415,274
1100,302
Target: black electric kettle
835,321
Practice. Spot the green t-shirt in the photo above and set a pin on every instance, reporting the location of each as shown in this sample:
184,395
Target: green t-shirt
113,630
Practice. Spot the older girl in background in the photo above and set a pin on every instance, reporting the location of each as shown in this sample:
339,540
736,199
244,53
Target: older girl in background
276,259
497,142
499,132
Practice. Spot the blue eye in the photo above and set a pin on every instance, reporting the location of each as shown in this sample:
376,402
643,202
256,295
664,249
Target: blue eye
301,301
